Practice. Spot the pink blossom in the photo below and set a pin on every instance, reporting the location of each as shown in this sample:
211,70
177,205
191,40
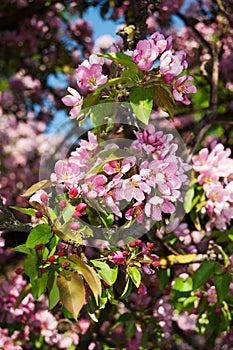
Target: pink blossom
212,295
161,43
134,187
67,173
115,166
117,257
172,64
73,100
156,205
89,73
181,89
136,211
93,186
153,208
145,54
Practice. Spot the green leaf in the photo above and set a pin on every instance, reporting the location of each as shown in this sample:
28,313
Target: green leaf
127,290
121,58
183,284
24,292
22,249
89,275
68,212
108,274
36,187
54,296
30,267
28,211
222,283
141,100
72,291
41,234
201,276
188,199
134,275
164,99
41,283
130,329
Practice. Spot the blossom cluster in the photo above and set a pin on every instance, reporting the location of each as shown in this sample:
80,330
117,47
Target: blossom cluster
145,183
215,170
89,74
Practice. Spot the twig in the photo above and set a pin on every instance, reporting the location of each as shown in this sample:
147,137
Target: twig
10,223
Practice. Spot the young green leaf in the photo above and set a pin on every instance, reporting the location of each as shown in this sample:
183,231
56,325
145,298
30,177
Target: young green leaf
188,199
141,100
108,274
54,296
28,211
134,275
40,234
121,58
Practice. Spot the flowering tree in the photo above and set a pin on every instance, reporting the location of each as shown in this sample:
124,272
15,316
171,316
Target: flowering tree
128,239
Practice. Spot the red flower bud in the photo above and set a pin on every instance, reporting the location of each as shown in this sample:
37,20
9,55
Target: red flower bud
138,242
73,192
52,258
65,264
44,197
150,245
39,246
125,253
60,253
39,215
156,263
80,207
132,244
42,270
131,264
19,270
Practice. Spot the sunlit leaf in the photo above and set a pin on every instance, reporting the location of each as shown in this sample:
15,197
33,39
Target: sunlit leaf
188,199
121,58
36,187
89,275
72,291
108,274
134,275
28,211
40,234
141,100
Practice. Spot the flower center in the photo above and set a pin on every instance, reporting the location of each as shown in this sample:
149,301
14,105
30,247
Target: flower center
92,80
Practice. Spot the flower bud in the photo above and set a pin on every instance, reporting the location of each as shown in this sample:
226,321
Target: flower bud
39,215
62,204
52,258
73,192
